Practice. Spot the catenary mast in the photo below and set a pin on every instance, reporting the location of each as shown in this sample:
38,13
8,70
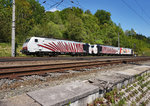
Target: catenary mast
13,31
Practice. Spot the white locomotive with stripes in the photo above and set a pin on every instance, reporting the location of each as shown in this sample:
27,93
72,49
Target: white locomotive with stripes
47,46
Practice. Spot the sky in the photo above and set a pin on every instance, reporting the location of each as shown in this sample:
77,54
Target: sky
129,13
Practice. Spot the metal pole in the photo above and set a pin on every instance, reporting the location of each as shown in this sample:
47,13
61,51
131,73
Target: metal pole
118,44
13,31
118,40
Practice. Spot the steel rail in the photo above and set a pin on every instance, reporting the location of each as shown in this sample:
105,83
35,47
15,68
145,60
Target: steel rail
18,59
15,71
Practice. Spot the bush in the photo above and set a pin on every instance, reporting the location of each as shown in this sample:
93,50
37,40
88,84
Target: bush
5,50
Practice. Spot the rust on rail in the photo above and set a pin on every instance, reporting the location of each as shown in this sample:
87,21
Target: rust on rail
16,71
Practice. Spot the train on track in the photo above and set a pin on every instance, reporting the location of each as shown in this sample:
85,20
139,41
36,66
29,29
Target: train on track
47,46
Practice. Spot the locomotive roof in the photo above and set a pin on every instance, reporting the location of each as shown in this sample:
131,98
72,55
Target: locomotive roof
114,46
57,39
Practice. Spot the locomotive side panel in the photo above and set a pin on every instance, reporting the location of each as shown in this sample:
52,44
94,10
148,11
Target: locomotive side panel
62,46
93,49
110,50
126,51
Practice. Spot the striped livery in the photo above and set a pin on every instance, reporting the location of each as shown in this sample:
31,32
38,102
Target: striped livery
38,45
61,46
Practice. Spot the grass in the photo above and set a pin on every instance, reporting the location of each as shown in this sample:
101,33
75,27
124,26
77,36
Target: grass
5,50
146,52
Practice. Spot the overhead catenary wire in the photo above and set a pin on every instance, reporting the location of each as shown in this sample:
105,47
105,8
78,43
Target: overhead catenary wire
135,12
142,9
62,2
77,3
54,3
58,3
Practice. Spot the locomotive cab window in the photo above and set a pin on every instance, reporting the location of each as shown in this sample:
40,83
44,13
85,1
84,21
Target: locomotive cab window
36,40
27,40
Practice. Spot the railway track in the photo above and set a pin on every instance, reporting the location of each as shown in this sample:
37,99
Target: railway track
12,59
16,71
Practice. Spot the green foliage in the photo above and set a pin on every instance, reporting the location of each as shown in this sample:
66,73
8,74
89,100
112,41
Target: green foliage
75,29
103,16
88,12
123,87
133,103
28,13
53,16
121,102
5,20
92,32
49,29
99,101
5,50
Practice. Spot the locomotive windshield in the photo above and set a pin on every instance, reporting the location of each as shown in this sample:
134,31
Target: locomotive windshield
92,46
27,40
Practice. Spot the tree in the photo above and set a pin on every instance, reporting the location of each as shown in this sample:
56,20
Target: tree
5,20
54,17
49,29
38,11
73,11
130,32
75,29
103,16
91,29
28,14
88,12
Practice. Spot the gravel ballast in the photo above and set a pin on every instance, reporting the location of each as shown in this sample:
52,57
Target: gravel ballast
10,88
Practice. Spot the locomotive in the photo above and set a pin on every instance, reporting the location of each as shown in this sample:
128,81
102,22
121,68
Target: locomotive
48,46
